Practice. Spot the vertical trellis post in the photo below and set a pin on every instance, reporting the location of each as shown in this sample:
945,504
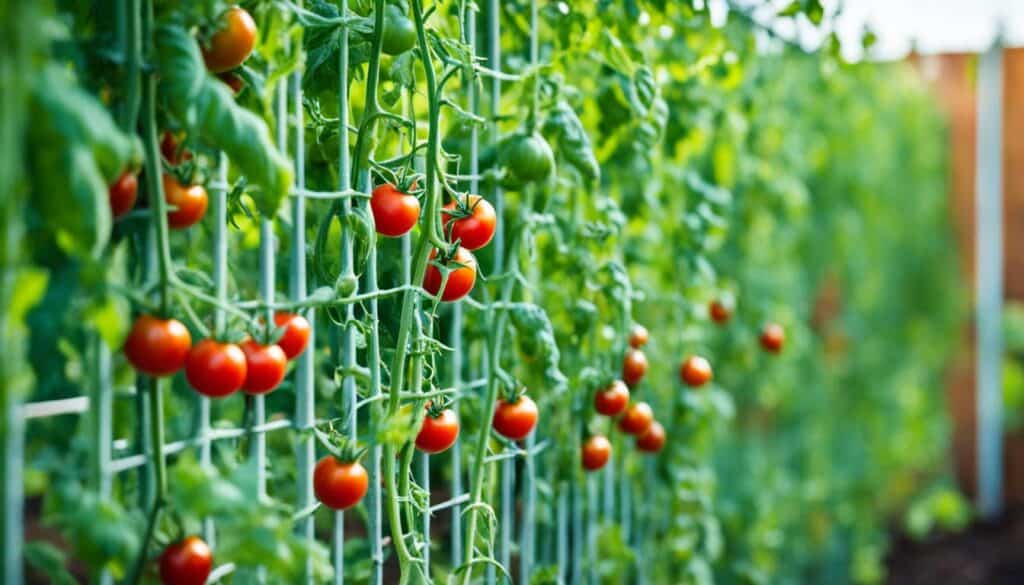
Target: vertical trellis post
989,280
348,356
101,422
305,413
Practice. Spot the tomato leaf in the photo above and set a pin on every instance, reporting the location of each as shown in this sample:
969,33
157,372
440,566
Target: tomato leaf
206,107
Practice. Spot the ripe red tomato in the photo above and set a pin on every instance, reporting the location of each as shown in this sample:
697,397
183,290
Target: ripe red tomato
190,202
596,452
634,366
231,45
720,312
296,333
614,399
235,82
264,367
437,434
475,230
123,194
215,369
169,149
772,337
460,280
186,562
157,347
695,371
653,439
339,485
515,420
637,420
394,212
638,336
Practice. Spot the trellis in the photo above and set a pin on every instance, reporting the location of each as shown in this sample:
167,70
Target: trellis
576,514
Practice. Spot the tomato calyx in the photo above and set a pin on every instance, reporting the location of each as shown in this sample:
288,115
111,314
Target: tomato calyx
342,447
436,408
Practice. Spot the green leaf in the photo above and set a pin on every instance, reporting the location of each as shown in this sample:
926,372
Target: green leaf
207,109
49,560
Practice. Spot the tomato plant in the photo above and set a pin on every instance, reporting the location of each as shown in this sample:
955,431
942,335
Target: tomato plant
515,419
186,562
604,164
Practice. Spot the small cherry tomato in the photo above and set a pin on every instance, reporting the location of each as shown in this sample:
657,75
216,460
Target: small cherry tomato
634,366
394,212
339,485
157,347
475,230
234,40
169,148
720,312
515,420
460,280
637,420
264,367
233,81
653,439
123,194
695,371
638,336
296,333
215,369
614,399
438,434
190,202
399,31
186,562
772,337
596,452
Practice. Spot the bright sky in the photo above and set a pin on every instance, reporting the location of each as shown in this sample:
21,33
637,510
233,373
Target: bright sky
935,25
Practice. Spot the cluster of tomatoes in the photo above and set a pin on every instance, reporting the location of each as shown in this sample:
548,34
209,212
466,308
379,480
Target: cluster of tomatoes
226,49
160,347
637,419
469,222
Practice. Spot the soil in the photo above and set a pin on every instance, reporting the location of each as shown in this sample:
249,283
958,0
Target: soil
987,553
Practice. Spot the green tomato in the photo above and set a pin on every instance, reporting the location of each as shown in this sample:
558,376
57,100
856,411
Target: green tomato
346,284
399,31
527,158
